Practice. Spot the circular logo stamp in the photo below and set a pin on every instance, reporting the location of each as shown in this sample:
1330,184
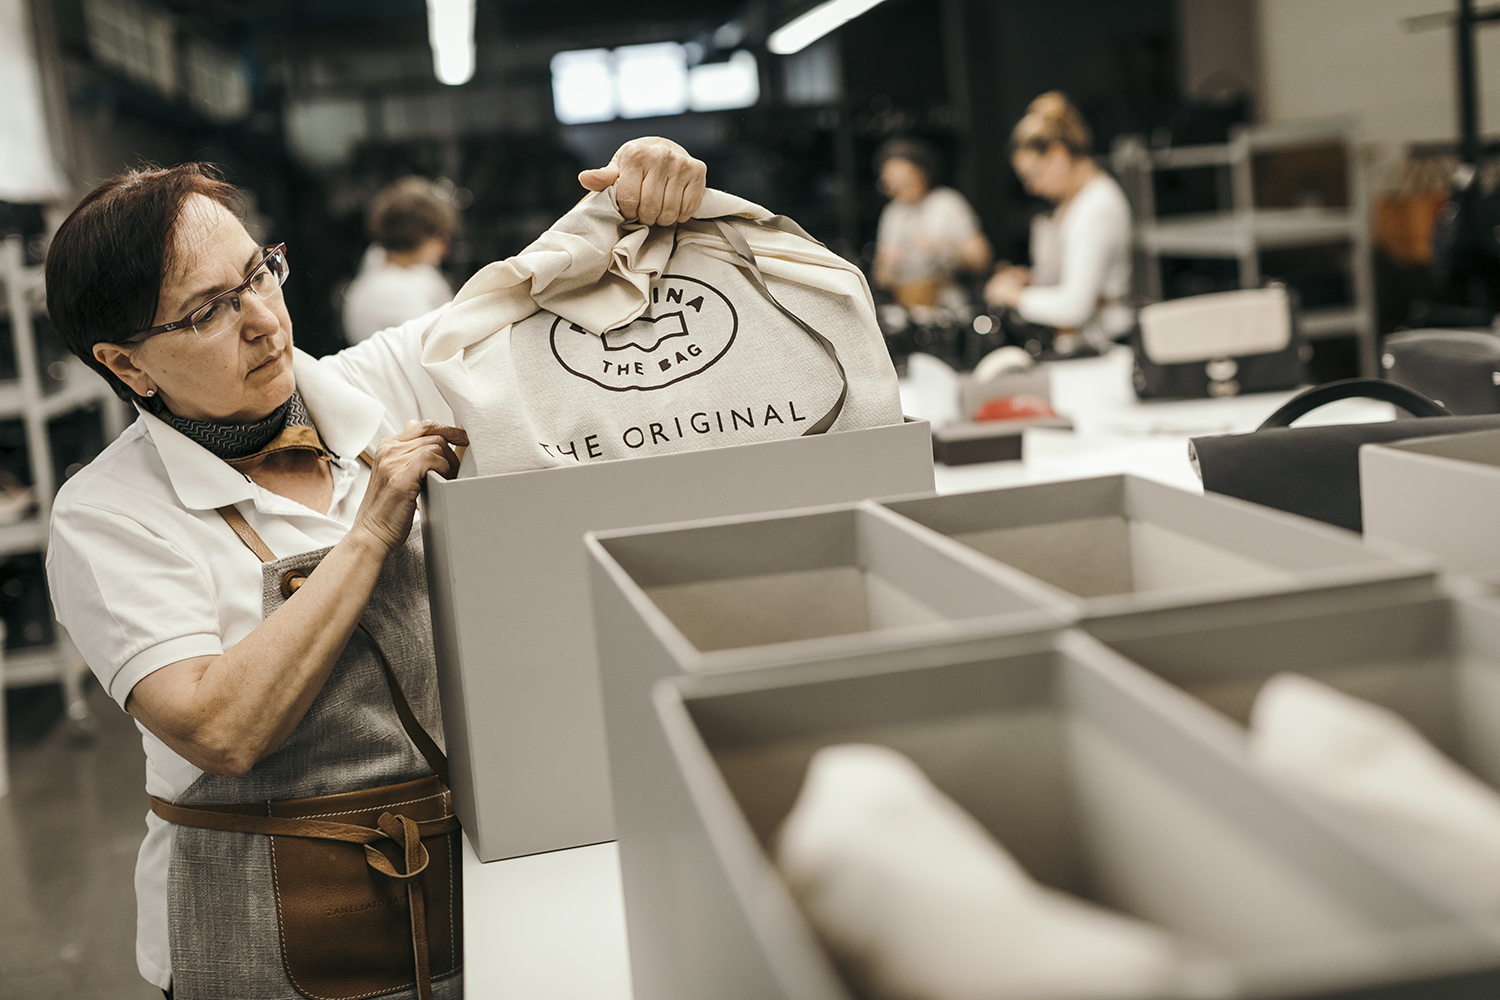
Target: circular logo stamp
688,326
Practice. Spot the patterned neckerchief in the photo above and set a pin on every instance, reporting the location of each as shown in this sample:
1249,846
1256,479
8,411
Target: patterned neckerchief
232,441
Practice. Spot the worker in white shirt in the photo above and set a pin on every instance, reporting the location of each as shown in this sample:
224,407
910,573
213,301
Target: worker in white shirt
927,235
239,570
1075,292
399,278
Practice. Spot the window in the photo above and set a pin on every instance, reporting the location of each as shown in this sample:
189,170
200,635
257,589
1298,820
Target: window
641,81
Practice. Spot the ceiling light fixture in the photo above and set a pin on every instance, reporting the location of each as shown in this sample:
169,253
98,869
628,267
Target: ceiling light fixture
450,32
800,32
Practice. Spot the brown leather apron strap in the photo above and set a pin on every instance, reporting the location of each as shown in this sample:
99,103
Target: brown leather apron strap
238,818
241,527
405,831
290,583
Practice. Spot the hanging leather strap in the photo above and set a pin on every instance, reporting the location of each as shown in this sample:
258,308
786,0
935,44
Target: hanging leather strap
241,527
403,830
751,267
291,582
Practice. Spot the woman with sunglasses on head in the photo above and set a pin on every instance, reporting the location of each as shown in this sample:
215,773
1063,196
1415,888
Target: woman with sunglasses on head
1072,301
240,571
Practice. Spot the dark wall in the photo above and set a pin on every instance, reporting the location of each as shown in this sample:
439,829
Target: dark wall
1117,61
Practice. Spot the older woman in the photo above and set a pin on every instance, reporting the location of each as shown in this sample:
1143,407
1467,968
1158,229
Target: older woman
214,563
1074,293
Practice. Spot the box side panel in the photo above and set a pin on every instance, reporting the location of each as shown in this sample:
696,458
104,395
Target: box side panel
1479,447
750,548
437,545
1275,538
1434,507
688,938
1162,559
898,556
1044,503
767,608
521,613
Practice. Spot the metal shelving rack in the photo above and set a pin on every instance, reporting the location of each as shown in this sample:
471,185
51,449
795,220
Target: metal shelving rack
1244,230
25,399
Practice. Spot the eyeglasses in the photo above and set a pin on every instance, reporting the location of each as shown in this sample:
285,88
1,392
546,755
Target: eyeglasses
221,313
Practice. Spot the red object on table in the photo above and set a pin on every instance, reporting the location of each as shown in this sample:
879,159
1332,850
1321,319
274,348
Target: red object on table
1013,408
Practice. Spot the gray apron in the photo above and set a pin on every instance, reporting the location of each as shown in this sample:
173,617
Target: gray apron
222,907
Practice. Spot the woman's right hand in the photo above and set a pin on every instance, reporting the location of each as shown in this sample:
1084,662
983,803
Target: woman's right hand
401,466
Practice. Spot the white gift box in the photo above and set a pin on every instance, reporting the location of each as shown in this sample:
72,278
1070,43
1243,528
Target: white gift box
738,593
1119,545
1438,495
509,594
1098,778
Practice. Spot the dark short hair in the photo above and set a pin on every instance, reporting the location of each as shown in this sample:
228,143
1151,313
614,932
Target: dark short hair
408,212
109,259
914,151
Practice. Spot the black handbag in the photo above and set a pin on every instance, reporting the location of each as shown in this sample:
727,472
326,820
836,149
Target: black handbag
1314,471
1222,344
1457,369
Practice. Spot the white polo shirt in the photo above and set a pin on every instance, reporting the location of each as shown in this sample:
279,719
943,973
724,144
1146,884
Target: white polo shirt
144,572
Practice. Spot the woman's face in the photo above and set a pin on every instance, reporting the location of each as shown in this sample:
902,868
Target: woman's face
237,377
1045,175
903,180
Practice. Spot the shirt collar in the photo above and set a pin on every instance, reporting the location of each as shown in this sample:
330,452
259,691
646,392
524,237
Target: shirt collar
347,418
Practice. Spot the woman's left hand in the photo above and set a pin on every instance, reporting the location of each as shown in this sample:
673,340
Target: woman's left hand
1006,286
657,182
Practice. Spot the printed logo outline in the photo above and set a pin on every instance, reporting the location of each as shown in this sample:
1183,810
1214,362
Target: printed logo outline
560,325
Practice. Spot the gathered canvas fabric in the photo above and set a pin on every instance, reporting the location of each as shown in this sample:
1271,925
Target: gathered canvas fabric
919,902
1442,822
606,339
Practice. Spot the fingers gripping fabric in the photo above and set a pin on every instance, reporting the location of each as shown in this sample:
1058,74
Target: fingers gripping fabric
607,340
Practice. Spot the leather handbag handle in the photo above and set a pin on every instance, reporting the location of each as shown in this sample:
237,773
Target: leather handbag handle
1305,402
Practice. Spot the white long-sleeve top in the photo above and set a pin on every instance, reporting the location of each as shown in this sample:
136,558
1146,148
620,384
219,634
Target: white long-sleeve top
1080,263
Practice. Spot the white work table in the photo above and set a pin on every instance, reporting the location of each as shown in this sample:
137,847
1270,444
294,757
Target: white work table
552,926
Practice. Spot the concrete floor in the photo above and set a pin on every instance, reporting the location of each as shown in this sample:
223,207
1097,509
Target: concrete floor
69,832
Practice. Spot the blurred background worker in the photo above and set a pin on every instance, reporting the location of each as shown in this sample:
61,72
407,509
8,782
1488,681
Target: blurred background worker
1073,298
399,278
927,235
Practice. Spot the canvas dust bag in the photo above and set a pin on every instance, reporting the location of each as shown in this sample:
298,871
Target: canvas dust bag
606,339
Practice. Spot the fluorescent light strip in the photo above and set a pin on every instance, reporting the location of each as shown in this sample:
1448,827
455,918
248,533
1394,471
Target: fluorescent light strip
450,32
800,32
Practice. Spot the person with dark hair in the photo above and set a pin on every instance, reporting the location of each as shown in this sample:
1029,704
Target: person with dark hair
412,226
927,234
239,570
1072,301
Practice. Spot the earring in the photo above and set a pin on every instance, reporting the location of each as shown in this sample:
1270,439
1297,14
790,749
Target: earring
150,393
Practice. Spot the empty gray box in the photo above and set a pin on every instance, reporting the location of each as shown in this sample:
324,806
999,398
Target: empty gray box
511,624
1098,781
1438,495
1119,545
853,582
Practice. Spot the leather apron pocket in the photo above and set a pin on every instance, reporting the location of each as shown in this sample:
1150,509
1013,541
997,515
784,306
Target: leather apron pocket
368,885
346,926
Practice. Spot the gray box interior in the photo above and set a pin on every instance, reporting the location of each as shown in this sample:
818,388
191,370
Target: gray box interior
1435,662
1120,544
849,583
1096,786
508,585
766,581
